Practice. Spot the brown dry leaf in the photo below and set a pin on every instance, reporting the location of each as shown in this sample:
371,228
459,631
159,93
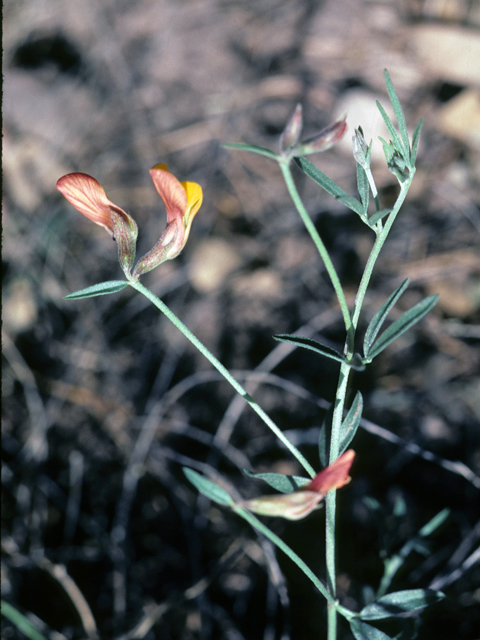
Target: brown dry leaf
460,117
442,265
450,53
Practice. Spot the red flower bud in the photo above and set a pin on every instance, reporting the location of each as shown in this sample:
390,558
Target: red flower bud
300,503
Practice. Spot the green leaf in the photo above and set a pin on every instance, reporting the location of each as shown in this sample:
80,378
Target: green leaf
380,317
352,203
307,343
396,141
400,602
378,215
363,631
329,185
363,188
20,621
397,109
100,289
325,435
209,488
351,422
406,320
252,148
415,139
279,481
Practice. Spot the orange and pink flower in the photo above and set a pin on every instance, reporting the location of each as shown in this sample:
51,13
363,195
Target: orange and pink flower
300,503
182,201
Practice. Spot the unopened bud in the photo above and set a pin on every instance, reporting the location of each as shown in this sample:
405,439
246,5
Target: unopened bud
361,150
293,129
325,139
300,503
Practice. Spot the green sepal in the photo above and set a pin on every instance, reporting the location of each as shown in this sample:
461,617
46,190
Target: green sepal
252,148
279,481
380,317
363,631
406,320
209,488
356,361
100,289
329,185
399,603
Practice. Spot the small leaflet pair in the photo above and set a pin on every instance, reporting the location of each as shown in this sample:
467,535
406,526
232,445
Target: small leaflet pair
300,503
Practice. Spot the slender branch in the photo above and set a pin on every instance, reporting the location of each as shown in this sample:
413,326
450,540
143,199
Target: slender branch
292,189
225,373
251,519
377,247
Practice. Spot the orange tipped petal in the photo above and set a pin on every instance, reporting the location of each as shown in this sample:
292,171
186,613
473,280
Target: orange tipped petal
171,192
334,476
87,196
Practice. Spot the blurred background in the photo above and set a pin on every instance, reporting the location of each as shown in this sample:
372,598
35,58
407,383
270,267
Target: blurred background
104,401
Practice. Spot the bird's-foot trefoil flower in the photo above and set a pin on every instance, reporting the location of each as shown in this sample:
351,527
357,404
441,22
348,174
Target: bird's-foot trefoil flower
299,503
88,196
290,144
182,201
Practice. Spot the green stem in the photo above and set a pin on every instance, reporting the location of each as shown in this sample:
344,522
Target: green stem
292,189
225,373
330,503
382,235
330,507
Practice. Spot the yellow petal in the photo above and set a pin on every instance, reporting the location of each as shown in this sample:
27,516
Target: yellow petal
194,202
292,506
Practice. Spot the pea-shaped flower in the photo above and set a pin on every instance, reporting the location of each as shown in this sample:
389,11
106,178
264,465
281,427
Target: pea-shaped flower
299,503
88,196
182,201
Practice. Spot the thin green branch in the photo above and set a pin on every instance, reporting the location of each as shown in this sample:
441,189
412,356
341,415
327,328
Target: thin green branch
278,542
225,373
292,189
377,247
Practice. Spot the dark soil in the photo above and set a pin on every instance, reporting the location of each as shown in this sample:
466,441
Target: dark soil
104,401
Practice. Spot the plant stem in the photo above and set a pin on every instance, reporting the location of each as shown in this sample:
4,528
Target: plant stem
330,503
377,247
330,507
292,189
225,373
257,524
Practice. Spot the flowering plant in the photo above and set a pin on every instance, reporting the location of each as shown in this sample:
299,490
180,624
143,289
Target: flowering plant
298,496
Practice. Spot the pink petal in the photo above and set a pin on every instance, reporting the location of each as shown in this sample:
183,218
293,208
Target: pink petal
171,192
292,506
334,476
87,196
